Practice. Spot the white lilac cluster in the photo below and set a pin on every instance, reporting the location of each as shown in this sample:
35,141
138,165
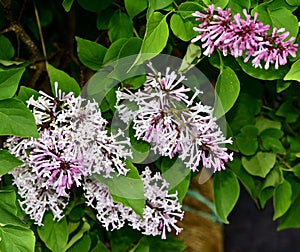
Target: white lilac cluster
173,123
73,145
160,215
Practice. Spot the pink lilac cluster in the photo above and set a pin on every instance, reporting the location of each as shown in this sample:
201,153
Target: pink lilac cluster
173,123
73,144
160,215
243,36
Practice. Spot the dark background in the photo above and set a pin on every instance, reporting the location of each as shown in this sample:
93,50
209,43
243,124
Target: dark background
253,230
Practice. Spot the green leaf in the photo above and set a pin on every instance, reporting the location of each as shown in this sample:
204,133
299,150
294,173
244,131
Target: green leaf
264,123
293,2
170,244
272,144
128,190
65,82
54,234
227,90
247,180
140,149
260,164
100,247
271,132
282,85
261,73
7,51
296,169
90,54
95,5
156,27
8,162
9,81
265,195
103,18
19,121
120,26
8,202
25,93
191,57
11,62
291,219
237,6
141,246
134,7
220,3
247,140
67,4
182,29
113,51
178,177
186,9
289,22
294,73
289,111
282,199
121,240
16,239
226,193
83,244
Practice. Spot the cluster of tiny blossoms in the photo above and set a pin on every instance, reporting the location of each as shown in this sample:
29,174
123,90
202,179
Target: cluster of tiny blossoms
160,212
73,145
166,117
249,37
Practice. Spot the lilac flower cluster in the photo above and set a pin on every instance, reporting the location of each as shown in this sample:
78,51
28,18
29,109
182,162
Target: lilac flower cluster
249,36
160,212
167,118
73,145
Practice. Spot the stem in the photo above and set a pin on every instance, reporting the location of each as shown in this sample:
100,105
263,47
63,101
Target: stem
41,35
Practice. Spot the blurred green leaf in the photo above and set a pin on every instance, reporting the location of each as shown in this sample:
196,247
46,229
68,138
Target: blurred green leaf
289,111
237,6
260,164
103,18
65,82
291,219
226,193
19,120
182,29
294,73
95,5
9,81
16,239
282,199
90,54
220,3
261,73
113,51
25,93
227,90
134,7
157,27
8,162
67,4
120,26
7,51
178,177
247,140
83,244
128,190
54,234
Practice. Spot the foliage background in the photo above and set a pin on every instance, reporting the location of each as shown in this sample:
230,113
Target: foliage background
44,41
